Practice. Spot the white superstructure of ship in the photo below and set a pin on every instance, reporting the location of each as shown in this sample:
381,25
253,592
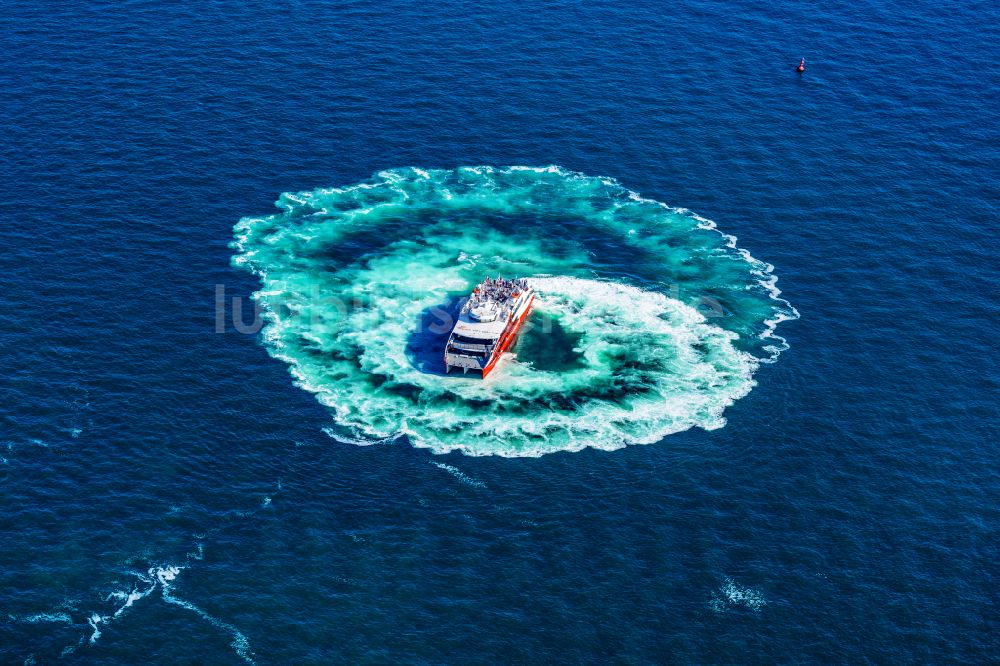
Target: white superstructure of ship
488,324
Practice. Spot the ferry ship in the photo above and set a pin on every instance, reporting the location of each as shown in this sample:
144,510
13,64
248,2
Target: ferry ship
488,324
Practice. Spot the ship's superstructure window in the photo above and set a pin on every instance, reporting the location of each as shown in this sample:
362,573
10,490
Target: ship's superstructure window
471,341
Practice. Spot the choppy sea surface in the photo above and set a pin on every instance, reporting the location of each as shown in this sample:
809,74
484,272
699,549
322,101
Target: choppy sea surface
754,420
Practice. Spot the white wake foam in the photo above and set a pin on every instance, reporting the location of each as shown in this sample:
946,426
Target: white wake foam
733,595
460,475
651,365
162,578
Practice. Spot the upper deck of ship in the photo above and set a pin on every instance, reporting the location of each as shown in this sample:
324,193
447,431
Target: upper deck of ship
485,314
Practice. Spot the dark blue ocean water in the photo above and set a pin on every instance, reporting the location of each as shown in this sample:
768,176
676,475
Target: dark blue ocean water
168,495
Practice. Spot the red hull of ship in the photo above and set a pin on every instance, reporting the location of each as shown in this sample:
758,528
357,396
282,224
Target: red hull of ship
510,334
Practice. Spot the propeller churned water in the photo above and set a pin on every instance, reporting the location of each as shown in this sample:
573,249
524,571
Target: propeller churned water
666,320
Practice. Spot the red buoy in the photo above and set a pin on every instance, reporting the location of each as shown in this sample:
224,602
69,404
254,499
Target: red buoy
802,66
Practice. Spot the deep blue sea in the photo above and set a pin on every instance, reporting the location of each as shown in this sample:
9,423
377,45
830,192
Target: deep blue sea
173,494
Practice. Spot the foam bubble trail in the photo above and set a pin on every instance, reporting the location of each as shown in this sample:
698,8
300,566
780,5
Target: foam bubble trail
154,578
161,578
93,621
165,577
732,594
460,475
40,618
648,321
127,599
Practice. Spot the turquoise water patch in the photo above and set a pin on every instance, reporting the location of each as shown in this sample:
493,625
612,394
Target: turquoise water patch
547,345
648,320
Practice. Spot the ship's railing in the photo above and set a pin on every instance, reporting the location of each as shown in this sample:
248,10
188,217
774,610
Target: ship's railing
470,347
